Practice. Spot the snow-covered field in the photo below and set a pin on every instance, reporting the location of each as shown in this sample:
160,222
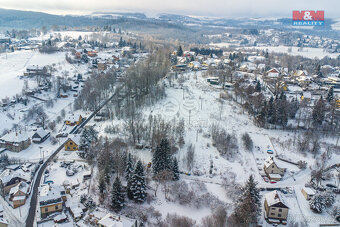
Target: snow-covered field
306,52
14,64
200,107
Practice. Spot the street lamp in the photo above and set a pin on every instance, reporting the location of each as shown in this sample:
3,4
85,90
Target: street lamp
42,153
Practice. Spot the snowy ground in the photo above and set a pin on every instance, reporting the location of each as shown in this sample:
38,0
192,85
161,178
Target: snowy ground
307,52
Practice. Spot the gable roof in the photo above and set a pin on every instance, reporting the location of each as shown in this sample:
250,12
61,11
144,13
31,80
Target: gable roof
111,221
22,186
15,137
275,199
73,118
11,175
75,139
269,161
273,70
41,133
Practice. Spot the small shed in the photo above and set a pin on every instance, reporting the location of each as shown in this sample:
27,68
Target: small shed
308,193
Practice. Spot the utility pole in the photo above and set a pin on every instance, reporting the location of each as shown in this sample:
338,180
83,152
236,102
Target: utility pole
40,147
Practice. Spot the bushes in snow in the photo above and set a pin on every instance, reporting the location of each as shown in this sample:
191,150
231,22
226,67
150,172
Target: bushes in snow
225,143
321,200
177,220
194,195
217,219
247,142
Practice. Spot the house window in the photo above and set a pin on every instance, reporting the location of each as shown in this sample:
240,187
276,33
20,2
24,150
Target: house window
74,148
272,171
272,214
280,210
46,209
68,148
273,208
56,207
272,166
71,143
279,215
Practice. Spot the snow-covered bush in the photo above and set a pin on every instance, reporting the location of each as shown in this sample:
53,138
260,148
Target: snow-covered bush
247,141
321,200
176,220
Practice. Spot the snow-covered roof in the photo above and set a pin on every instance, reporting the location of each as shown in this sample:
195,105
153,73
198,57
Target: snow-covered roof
274,175
16,198
22,186
73,118
77,211
309,191
60,217
7,178
3,221
274,198
15,137
111,221
48,192
268,162
75,138
41,133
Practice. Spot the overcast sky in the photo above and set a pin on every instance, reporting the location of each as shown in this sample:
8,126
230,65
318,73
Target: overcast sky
220,8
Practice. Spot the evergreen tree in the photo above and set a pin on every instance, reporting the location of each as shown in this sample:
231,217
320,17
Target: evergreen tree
318,113
137,187
179,51
121,42
330,94
175,170
252,190
129,167
318,70
117,199
258,86
317,203
102,186
161,159
248,205
88,136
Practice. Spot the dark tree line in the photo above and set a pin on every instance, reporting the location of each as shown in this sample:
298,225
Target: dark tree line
207,51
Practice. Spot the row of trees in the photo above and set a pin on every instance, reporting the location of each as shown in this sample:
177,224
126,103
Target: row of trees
278,109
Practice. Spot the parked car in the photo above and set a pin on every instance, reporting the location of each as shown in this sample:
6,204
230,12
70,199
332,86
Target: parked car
266,179
331,185
270,151
69,173
62,134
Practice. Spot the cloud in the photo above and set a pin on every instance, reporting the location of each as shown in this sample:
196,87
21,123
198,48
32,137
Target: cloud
222,8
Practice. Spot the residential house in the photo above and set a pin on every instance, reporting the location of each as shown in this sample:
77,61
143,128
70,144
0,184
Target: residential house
15,141
101,65
111,220
40,136
74,120
299,73
273,73
12,179
272,170
3,222
308,193
18,194
72,144
275,209
51,199
34,70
